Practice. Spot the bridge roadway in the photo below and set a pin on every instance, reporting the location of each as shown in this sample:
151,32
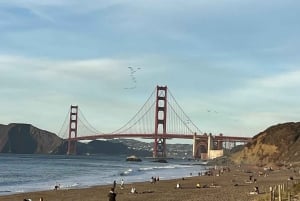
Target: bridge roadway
167,136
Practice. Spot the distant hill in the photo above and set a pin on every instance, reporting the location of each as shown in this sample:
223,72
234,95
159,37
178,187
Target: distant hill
27,139
19,138
173,150
277,145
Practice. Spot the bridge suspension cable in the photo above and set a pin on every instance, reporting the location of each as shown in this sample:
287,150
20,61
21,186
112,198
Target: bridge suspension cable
179,120
142,121
63,132
86,125
160,118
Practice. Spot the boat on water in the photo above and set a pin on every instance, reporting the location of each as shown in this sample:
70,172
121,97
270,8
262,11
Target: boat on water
133,158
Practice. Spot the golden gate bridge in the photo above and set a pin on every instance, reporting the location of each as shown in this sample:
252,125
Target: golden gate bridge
160,118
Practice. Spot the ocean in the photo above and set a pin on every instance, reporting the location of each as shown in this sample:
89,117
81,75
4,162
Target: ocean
28,173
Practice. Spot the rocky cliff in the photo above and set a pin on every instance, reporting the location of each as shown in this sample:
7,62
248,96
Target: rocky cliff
27,139
277,145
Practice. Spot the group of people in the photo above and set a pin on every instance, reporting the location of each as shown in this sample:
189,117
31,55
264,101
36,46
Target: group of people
251,179
154,180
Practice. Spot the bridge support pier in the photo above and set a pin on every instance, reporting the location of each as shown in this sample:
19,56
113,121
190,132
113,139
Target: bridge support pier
200,146
209,145
194,146
205,147
159,149
72,130
220,142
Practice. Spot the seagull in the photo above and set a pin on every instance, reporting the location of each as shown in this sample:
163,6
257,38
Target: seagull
213,111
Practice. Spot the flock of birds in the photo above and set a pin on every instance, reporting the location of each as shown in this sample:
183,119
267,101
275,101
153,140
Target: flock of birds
132,72
132,77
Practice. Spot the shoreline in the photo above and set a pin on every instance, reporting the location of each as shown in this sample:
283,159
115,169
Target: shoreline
104,184
131,172
222,186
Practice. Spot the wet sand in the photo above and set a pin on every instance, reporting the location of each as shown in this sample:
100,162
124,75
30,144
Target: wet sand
233,185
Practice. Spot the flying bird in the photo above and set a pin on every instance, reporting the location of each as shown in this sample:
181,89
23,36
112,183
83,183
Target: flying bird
214,111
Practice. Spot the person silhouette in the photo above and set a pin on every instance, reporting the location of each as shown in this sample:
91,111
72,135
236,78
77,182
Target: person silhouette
114,184
112,195
122,184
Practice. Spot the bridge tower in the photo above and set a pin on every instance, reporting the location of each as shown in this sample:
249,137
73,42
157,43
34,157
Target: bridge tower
72,130
159,149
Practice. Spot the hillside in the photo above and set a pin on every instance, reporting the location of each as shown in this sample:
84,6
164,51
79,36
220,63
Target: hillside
18,138
27,139
277,145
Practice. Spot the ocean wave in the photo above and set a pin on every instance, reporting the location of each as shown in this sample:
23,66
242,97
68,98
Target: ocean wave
162,167
126,172
67,185
54,170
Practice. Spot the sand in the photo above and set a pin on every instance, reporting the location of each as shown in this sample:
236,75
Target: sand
231,185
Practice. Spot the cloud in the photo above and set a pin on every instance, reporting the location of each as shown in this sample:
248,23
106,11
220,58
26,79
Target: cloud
37,83
87,68
282,81
239,58
65,81
182,29
97,85
280,85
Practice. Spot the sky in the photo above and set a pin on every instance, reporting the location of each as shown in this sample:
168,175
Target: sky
232,65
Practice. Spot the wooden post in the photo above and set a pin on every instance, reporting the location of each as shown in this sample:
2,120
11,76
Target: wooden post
271,196
271,193
279,193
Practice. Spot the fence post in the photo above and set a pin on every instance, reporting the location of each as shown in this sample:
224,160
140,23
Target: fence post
271,193
279,193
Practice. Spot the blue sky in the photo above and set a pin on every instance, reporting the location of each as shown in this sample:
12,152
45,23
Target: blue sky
239,58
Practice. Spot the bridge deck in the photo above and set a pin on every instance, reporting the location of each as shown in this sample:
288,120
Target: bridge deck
166,136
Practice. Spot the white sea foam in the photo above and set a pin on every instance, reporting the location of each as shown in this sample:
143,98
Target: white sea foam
81,171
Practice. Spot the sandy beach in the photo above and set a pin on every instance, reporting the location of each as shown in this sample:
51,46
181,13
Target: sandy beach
230,185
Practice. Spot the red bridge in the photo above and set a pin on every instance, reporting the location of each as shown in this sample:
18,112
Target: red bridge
160,118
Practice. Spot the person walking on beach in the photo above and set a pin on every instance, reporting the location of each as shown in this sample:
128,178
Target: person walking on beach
115,184
112,195
122,184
